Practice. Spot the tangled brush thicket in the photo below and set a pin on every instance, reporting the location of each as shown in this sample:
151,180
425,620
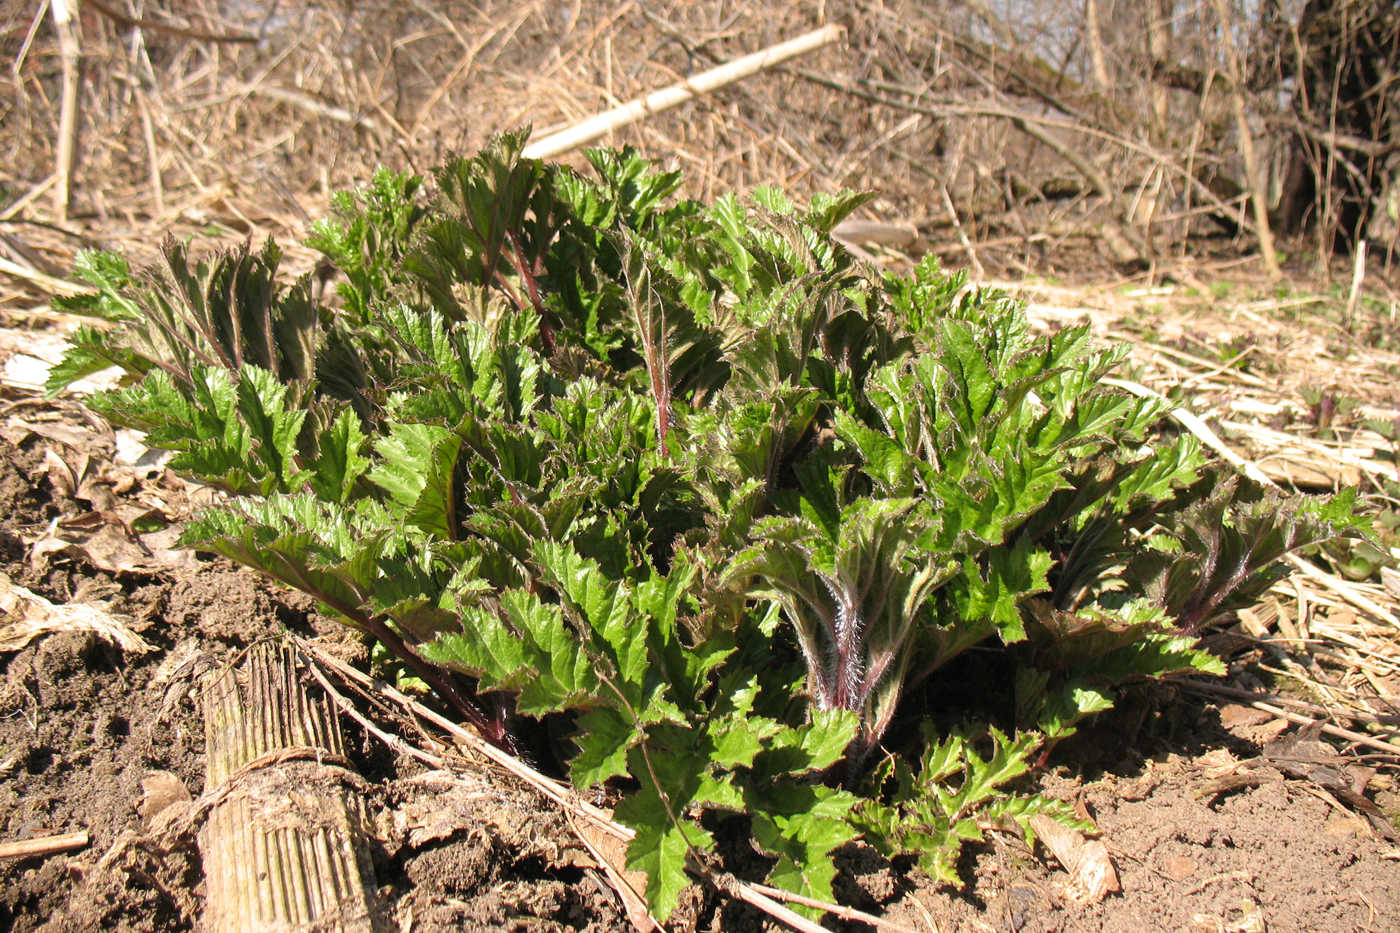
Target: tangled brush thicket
1005,141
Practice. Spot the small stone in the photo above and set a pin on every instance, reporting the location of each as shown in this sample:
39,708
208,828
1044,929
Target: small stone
1341,825
1250,919
1179,867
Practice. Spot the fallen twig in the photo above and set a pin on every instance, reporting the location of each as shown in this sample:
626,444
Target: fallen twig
666,98
882,233
836,910
1258,195
1359,738
43,845
313,106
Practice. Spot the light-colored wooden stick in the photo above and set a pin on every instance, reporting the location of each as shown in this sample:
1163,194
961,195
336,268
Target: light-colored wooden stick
556,791
836,910
902,235
70,55
313,106
1342,588
977,268
582,133
44,845
1358,274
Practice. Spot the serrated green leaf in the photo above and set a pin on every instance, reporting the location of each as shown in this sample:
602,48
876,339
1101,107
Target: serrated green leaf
815,746
604,737
660,850
262,405
340,460
802,824
737,735
665,834
415,466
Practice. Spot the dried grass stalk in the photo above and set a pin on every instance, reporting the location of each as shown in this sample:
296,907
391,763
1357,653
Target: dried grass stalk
44,845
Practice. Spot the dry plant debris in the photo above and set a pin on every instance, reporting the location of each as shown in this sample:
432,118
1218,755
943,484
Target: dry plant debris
27,616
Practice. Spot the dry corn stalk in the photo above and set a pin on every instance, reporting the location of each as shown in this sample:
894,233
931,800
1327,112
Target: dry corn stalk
284,843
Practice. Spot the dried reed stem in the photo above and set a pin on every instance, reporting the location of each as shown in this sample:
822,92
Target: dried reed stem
666,98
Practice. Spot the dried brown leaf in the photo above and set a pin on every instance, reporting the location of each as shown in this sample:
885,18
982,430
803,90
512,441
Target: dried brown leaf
164,799
25,616
1179,867
1092,875
1236,715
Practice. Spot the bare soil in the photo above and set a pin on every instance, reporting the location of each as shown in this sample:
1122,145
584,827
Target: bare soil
1209,826
83,724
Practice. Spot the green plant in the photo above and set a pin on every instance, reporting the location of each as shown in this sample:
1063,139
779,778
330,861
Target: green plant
1362,559
1327,410
696,478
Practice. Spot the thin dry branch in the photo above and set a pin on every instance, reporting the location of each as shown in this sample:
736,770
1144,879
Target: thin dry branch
135,22
1259,197
43,845
70,54
603,123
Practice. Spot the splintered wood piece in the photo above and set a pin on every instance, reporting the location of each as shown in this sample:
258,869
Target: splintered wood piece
284,845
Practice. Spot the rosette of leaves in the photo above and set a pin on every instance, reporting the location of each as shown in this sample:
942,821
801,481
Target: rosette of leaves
698,480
